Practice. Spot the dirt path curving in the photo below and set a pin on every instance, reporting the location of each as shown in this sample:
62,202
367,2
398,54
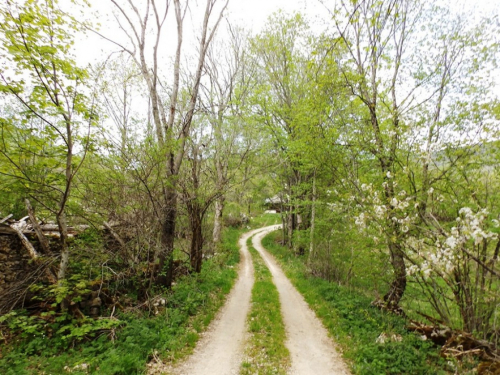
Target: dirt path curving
220,351
311,349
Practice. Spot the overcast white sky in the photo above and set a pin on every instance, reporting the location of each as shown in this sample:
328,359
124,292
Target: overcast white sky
252,14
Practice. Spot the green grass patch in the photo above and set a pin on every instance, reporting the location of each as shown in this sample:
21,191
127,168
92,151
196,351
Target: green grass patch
172,332
356,325
264,220
266,352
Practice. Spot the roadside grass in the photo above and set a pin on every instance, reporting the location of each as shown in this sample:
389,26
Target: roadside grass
264,220
266,352
172,332
355,325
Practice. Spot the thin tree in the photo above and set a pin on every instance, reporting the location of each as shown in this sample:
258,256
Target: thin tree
172,121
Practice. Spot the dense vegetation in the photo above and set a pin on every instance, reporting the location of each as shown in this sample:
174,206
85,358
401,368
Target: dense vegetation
376,139
167,326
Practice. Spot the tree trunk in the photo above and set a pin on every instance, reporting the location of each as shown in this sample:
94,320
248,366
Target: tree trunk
283,225
63,239
165,269
313,217
398,285
197,238
291,226
219,208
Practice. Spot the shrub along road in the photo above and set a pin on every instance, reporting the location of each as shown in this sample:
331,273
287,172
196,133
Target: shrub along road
221,350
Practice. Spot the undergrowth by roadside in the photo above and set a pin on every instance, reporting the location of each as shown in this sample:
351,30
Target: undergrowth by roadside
126,347
266,352
358,327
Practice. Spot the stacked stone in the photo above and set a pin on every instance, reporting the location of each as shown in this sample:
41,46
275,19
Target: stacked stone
14,261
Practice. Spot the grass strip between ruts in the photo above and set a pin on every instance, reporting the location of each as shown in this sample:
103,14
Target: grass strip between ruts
265,352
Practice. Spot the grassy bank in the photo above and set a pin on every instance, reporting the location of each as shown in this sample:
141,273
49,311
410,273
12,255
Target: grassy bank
265,352
357,326
172,330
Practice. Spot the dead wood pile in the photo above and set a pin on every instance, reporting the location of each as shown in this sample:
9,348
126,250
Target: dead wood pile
458,344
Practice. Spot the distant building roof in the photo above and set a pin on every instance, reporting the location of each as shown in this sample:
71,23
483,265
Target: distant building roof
277,199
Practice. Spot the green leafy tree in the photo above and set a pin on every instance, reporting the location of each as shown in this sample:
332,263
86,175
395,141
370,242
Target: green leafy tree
297,81
418,114
48,129
280,99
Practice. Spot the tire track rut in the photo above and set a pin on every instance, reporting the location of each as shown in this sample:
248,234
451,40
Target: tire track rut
311,349
220,351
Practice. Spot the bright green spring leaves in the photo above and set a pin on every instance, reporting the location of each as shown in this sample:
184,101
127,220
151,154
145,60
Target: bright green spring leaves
124,343
47,115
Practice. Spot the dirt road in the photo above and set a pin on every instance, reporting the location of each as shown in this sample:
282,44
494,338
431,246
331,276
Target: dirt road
311,350
220,351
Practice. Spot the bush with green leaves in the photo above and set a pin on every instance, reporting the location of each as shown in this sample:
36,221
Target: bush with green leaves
121,345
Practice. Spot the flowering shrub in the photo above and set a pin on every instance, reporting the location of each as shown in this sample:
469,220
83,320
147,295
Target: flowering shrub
450,248
452,262
390,217
459,265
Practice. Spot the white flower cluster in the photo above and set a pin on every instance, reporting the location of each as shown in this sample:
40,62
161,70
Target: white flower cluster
446,253
377,212
470,226
361,220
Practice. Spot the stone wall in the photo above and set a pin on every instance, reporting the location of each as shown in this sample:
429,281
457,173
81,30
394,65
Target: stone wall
14,261
18,271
